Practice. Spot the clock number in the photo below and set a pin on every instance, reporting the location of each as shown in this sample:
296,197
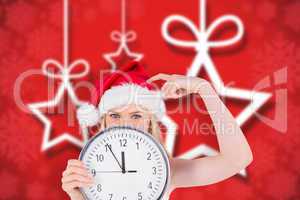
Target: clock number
137,145
124,198
100,157
123,142
150,185
110,196
93,172
140,197
107,148
154,170
99,187
149,156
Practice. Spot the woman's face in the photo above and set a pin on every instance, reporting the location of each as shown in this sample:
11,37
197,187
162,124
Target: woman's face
130,115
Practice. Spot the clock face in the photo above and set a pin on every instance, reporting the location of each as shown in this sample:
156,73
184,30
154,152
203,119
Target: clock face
127,164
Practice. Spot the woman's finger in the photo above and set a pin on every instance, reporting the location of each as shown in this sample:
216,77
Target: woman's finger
76,170
75,162
74,184
77,177
160,76
169,90
178,76
77,166
181,91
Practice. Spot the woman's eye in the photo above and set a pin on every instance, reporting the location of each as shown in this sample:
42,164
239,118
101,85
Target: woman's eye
136,116
115,116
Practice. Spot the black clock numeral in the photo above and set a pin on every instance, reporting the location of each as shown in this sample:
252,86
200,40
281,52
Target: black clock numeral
99,187
100,157
140,197
154,170
107,146
150,185
123,142
137,146
124,198
93,171
110,196
149,156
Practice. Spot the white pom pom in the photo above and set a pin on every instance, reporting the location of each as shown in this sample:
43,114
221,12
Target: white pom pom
87,115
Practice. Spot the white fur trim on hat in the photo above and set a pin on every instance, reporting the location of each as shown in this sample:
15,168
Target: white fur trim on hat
129,93
87,115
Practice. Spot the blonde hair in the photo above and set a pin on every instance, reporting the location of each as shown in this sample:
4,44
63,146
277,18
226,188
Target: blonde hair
154,129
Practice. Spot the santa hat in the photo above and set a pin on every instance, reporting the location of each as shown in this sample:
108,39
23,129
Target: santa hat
120,88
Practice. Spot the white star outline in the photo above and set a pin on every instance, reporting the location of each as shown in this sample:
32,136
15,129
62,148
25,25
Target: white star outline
123,37
202,59
65,76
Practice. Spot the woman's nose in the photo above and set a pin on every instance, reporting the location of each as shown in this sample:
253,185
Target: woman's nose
129,122
124,122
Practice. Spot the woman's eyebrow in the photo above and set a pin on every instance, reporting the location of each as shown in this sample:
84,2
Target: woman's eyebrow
114,112
135,112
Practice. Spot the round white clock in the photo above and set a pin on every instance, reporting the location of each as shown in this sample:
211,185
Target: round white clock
127,164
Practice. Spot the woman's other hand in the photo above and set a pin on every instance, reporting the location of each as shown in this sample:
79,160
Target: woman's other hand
177,86
75,175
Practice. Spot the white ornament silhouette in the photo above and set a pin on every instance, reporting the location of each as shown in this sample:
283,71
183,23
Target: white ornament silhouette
128,36
65,74
123,37
202,46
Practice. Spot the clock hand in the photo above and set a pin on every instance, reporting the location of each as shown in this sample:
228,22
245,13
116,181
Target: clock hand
123,162
131,171
114,156
108,171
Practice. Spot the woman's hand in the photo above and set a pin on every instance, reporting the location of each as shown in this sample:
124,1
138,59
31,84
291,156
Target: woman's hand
177,86
75,176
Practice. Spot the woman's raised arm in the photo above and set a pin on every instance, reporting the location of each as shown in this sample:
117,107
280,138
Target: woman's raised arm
235,153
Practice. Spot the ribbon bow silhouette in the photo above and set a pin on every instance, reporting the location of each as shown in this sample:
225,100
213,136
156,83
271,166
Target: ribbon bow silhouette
202,44
123,37
65,73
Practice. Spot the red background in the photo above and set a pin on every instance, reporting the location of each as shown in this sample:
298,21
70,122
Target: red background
31,31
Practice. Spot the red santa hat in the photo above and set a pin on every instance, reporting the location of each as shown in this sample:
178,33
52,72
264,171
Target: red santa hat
120,88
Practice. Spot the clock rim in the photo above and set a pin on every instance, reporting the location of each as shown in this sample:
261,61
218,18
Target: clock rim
161,148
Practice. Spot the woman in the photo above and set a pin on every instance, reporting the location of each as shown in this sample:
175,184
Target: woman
235,153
